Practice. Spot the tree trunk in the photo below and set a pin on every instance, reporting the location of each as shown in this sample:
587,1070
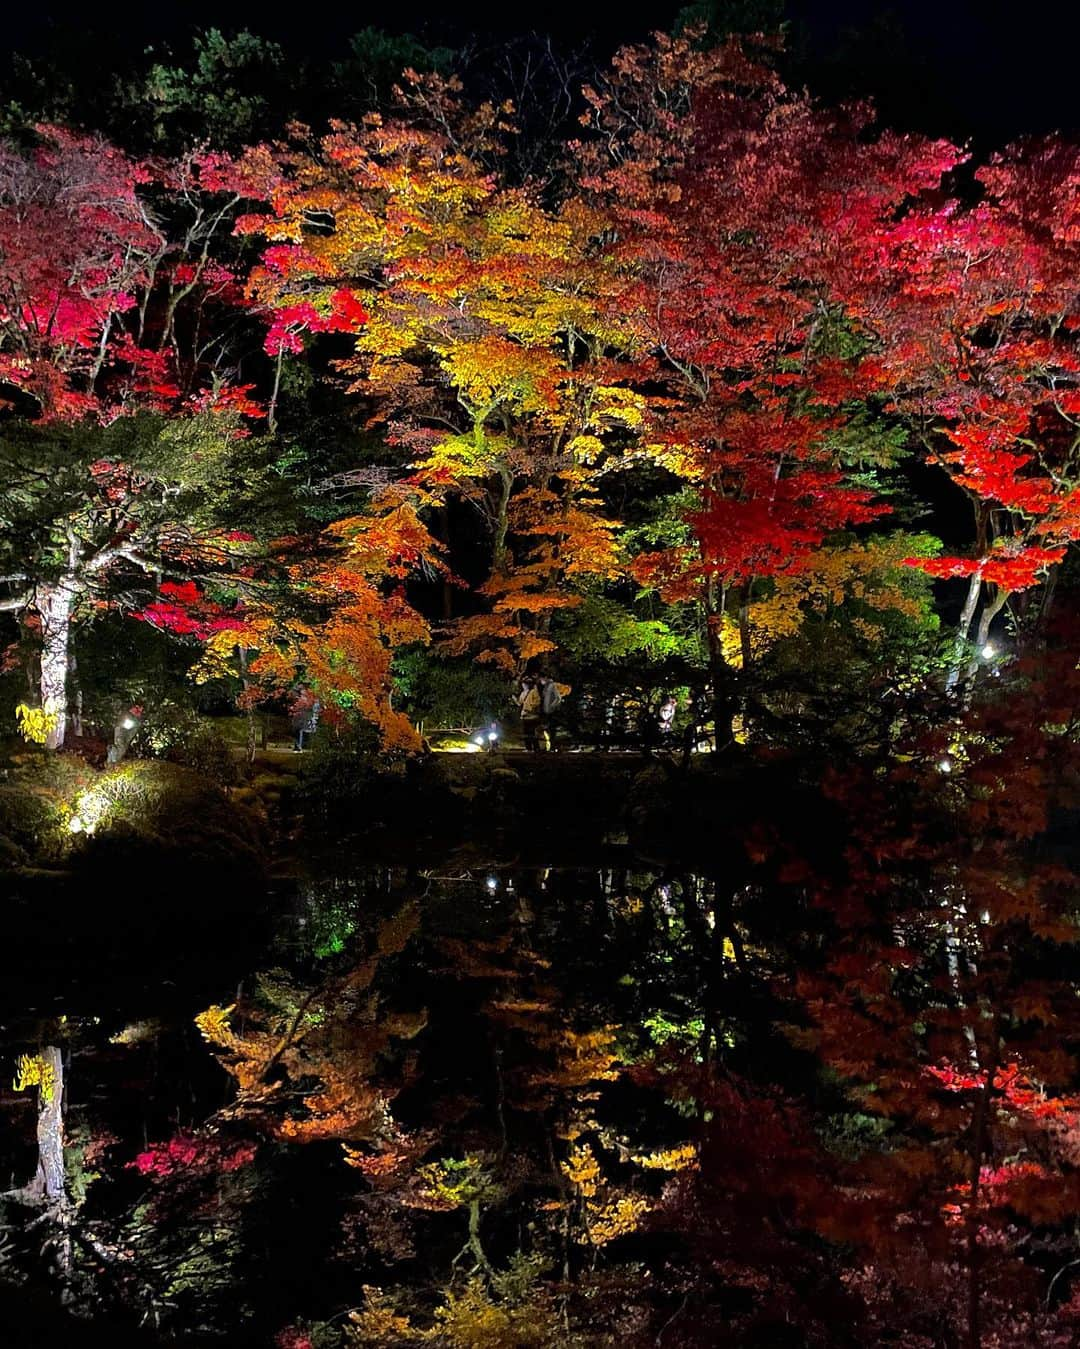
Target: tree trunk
54,604
50,1129
980,1136
123,735
440,528
77,695
989,613
499,551
47,1189
250,711
745,645
964,627
723,705
1047,605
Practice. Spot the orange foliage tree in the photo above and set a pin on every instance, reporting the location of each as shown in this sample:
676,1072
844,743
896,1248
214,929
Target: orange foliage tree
486,347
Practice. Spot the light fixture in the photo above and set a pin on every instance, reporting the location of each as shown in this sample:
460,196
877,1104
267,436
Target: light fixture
478,740
989,651
129,723
492,883
945,765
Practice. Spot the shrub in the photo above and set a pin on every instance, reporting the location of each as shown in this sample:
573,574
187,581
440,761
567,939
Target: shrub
180,736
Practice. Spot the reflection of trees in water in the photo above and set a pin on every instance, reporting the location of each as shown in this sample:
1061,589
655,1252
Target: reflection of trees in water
823,1095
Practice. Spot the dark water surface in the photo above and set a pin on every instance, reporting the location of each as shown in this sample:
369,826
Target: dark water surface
455,1100
465,1102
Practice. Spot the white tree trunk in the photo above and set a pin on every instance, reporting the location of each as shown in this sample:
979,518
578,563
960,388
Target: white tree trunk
54,604
50,1131
970,604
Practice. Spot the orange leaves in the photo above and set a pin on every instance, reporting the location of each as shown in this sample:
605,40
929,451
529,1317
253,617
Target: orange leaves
493,325
357,615
306,1063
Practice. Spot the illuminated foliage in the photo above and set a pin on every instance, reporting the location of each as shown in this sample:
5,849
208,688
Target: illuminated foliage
34,1070
484,337
34,723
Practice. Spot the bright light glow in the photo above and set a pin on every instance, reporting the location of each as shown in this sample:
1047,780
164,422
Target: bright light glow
492,882
944,765
89,809
989,651
493,735
478,740
129,723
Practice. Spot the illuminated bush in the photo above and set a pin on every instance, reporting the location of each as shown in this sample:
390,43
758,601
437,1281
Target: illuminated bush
36,796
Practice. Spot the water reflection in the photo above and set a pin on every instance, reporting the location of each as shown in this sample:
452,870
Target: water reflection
505,1105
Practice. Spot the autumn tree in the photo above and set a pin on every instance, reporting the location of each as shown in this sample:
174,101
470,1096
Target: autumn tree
967,303
483,351
106,315
729,192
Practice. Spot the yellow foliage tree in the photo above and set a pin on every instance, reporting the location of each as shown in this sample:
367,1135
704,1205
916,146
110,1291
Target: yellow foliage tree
490,343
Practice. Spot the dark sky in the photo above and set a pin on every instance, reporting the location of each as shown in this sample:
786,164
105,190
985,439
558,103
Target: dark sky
995,68
992,68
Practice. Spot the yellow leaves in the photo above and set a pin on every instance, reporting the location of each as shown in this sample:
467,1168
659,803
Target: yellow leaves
533,602
377,1323
613,405
531,645
456,458
34,1070
218,658
586,449
473,1319
607,1213
585,1057
492,371
686,461
669,1159
618,1218
452,1183
214,1026
244,1057
34,723
860,576
582,1170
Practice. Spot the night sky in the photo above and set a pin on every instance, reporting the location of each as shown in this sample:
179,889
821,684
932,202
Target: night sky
986,68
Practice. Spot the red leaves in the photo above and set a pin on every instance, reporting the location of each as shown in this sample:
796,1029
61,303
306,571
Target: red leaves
191,1154
772,530
290,322
292,1338
1011,569
186,612
1015,1089
229,400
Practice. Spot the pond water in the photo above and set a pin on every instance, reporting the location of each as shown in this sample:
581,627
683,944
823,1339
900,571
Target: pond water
449,1032
485,1104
